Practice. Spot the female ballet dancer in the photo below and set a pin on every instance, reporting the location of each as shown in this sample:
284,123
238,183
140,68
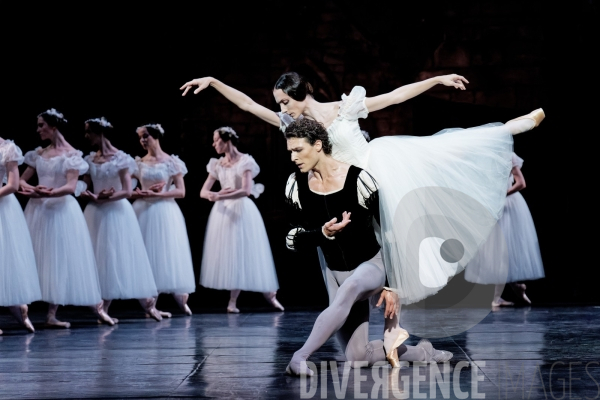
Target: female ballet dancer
161,221
61,241
237,254
517,236
123,266
474,162
321,192
19,283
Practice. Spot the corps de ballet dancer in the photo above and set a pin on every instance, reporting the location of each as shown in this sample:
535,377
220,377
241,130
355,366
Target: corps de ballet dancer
514,243
237,254
123,265
160,218
61,241
474,161
323,192
19,283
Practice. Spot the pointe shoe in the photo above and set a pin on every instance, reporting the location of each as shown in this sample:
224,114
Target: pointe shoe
102,315
392,354
150,308
272,298
181,300
53,322
536,115
433,354
0,331
20,313
522,294
502,303
234,310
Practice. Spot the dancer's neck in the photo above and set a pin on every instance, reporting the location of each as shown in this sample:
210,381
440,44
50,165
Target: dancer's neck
58,142
328,169
232,155
106,149
156,152
324,113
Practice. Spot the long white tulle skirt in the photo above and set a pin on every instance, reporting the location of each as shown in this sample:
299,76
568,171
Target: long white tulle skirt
165,235
237,253
516,245
123,265
63,251
19,283
451,185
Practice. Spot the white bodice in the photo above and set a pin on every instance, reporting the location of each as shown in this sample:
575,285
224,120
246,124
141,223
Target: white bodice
9,151
164,171
106,175
348,143
231,176
52,172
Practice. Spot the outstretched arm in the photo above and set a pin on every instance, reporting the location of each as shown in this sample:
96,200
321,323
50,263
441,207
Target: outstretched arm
235,96
407,92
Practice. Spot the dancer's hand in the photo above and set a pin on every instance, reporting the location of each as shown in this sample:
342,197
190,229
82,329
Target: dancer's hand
226,190
29,192
454,80
332,227
157,187
44,191
214,196
105,194
202,84
392,303
89,195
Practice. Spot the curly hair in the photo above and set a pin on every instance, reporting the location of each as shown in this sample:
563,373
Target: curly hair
310,130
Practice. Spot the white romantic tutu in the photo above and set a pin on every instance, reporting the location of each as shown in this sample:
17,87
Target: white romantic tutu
123,266
19,283
63,251
237,253
165,235
516,238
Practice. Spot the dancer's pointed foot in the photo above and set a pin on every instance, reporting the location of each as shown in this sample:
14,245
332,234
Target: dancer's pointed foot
433,354
20,314
537,116
391,340
181,300
102,315
233,309
164,314
502,303
520,290
149,305
298,367
272,298
53,322
0,331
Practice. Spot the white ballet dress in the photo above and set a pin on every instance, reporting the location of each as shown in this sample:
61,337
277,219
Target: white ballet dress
163,228
434,190
61,240
237,253
123,265
512,253
19,283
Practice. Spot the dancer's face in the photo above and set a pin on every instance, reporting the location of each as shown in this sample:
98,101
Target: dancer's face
305,155
45,131
218,143
288,105
146,140
94,138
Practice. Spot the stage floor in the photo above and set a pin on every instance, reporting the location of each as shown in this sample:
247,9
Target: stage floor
533,353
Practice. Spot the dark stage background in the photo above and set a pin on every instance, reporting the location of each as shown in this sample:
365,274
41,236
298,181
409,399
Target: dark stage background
127,63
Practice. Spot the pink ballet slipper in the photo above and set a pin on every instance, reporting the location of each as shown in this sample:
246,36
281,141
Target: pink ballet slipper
181,300
20,314
271,298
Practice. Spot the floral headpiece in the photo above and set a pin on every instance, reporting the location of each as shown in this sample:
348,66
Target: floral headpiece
229,131
158,127
101,121
55,113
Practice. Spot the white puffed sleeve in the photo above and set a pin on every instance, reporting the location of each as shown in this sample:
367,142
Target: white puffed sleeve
247,163
517,161
123,161
176,166
75,161
211,168
353,106
10,152
32,156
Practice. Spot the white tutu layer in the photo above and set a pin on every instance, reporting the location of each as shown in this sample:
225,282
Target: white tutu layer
518,238
165,235
63,251
435,188
237,253
19,283
123,266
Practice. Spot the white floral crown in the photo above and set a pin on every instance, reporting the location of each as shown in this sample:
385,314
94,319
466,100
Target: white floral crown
229,131
101,121
158,127
55,113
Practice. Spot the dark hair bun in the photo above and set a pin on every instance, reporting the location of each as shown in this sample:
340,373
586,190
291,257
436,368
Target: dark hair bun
294,85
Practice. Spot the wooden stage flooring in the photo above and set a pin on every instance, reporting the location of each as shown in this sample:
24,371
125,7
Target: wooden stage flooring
514,353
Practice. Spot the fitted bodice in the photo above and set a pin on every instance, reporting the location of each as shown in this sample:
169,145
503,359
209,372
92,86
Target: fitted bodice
231,176
52,171
9,151
157,172
106,175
